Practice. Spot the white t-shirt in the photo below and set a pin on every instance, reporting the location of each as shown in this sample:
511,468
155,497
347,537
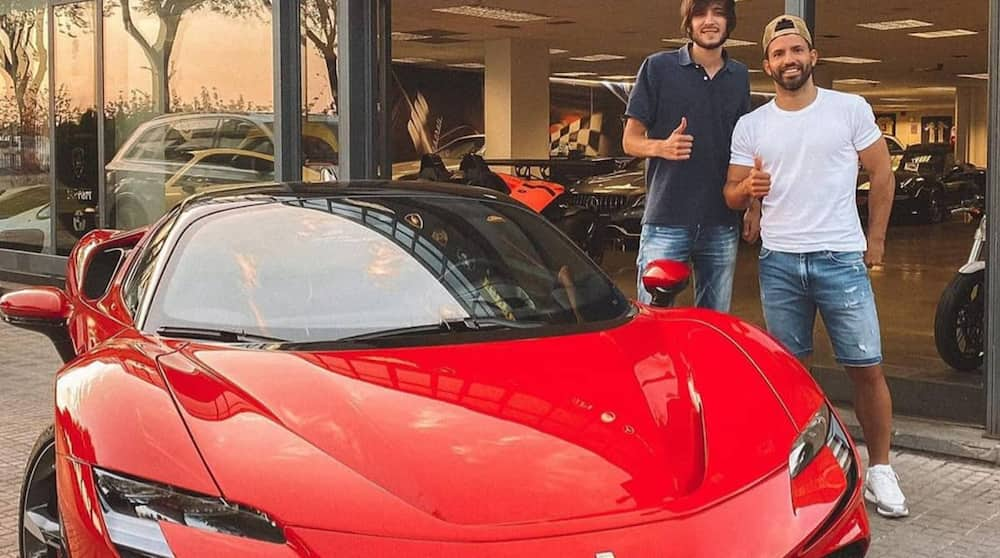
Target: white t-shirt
812,155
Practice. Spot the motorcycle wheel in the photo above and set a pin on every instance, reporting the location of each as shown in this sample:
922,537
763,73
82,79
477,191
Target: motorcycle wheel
959,322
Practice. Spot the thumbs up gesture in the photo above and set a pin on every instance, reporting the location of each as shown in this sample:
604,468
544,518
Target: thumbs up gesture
678,146
758,184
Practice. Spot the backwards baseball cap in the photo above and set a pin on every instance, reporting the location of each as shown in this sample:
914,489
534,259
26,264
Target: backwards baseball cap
785,25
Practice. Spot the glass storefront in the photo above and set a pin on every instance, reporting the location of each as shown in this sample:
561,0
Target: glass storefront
188,103
25,188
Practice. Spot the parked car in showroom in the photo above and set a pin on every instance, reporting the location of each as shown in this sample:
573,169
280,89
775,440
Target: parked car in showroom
929,183
619,200
175,155
411,370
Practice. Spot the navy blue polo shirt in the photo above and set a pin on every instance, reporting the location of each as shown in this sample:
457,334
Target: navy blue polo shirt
671,85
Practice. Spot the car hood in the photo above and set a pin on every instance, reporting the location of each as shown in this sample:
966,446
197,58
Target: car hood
618,183
543,436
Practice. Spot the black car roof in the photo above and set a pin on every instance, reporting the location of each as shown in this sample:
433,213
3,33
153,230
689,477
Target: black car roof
290,191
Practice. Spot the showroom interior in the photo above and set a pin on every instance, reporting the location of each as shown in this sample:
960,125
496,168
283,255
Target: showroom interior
113,111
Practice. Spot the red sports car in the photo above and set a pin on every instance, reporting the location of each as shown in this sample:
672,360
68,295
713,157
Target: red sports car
412,370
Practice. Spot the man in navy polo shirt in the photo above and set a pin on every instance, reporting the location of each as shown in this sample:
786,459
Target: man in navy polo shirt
681,116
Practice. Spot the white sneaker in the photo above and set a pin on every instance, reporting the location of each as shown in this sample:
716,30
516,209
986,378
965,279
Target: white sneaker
882,489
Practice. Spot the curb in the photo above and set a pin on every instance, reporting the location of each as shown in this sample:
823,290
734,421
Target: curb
942,438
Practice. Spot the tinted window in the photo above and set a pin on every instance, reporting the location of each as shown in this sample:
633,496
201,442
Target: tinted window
321,270
142,271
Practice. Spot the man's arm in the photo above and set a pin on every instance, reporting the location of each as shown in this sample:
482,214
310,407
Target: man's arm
877,162
675,148
745,184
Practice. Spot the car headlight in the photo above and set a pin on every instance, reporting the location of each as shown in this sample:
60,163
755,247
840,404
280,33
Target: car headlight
822,430
133,509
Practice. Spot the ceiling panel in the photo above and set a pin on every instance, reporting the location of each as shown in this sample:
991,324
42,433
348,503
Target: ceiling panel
910,68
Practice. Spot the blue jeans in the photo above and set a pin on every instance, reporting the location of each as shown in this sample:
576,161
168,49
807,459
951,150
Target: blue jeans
794,286
711,250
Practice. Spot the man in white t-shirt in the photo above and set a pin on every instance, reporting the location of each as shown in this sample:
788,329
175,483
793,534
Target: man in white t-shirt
797,156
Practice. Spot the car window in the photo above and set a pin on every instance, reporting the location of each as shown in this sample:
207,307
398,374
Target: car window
316,150
234,132
323,270
461,148
149,145
187,136
141,274
258,144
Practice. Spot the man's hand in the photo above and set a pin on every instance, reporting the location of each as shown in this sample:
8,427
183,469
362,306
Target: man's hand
678,146
875,253
758,184
751,223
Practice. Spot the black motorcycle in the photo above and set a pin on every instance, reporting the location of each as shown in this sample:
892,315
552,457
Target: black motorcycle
959,323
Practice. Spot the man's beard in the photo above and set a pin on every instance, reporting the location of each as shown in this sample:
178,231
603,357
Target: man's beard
796,83
706,44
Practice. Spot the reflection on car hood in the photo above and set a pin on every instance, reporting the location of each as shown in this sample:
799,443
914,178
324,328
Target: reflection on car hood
557,435
622,183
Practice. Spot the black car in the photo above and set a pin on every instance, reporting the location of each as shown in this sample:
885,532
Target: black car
618,199
929,183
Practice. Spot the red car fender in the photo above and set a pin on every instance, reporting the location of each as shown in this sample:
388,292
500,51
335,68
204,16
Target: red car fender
113,398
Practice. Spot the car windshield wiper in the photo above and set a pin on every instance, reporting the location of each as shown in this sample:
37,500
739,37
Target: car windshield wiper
223,335
445,326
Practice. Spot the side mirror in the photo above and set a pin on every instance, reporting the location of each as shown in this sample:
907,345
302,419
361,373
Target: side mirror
664,280
43,309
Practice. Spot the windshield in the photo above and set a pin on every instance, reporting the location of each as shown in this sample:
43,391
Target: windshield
328,269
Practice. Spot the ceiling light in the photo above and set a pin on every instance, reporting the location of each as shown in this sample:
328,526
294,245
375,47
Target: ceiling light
469,65
598,58
937,89
574,74
944,34
856,81
487,12
557,51
754,71
974,76
412,60
896,24
618,78
850,60
404,36
899,99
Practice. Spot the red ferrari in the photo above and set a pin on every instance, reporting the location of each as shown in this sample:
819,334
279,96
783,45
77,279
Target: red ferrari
412,370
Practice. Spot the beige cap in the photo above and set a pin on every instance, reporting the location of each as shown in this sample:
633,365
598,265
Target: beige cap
785,25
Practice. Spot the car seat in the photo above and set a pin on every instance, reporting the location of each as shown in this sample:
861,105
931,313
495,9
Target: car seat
432,168
478,173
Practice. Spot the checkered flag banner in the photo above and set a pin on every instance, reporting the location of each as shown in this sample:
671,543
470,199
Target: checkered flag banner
582,134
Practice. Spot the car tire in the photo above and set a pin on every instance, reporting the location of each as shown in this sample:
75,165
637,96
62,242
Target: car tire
42,536
958,322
